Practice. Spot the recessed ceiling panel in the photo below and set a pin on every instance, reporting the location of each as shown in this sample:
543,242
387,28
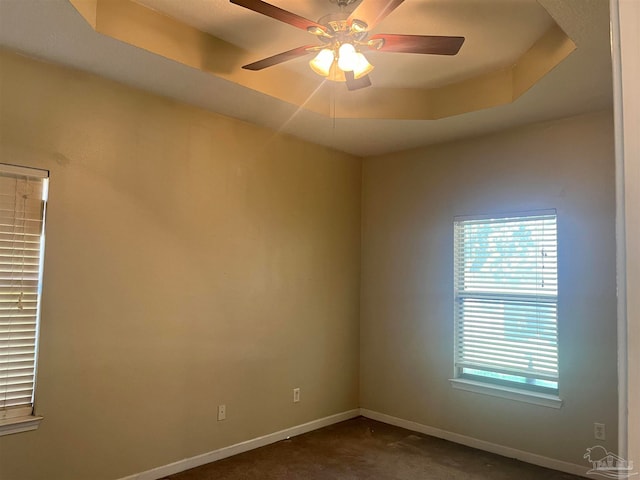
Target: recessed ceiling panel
56,31
497,33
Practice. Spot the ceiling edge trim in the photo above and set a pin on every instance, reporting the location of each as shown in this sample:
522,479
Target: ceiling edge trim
162,35
88,9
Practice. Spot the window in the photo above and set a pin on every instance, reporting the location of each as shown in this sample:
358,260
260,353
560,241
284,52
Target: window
506,299
23,194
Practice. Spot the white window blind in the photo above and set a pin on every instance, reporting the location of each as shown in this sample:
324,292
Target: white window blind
23,193
506,297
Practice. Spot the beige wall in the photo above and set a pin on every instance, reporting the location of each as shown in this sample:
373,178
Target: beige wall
191,260
409,201
194,260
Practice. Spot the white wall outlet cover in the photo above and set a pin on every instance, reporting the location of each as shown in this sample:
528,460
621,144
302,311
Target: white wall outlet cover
222,412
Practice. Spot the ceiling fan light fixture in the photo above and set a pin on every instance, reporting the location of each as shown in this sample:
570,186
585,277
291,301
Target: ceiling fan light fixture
317,31
376,43
347,57
358,26
362,66
322,62
336,74
342,35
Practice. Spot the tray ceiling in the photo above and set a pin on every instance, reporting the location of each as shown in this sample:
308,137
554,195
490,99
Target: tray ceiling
498,33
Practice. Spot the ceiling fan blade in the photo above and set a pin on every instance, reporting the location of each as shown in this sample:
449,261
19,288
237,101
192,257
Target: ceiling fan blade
435,45
373,12
280,57
357,83
278,13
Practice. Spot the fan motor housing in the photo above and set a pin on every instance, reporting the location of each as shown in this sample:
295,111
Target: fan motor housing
343,3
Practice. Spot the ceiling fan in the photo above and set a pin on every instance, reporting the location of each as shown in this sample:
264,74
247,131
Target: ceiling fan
344,37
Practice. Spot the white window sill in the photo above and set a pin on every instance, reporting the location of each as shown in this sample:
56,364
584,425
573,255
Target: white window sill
535,398
19,424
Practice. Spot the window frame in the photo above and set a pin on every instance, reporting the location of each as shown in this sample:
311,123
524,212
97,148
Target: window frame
22,418
548,397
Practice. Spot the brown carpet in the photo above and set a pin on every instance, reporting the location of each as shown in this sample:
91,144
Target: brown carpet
365,449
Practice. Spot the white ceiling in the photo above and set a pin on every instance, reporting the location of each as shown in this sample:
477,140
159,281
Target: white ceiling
497,32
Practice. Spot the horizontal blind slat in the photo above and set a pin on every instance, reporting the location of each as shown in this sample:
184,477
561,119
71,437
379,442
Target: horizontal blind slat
517,368
523,340
506,371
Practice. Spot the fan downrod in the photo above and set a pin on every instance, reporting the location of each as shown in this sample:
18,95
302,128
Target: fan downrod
343,3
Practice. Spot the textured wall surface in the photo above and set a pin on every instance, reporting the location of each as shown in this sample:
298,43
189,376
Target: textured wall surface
192,260
409,201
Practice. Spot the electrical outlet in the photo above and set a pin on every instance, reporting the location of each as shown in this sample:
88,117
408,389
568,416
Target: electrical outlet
222,412
599,431
296,395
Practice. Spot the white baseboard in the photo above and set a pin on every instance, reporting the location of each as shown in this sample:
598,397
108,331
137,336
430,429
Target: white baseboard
479,444
198,460
187,463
